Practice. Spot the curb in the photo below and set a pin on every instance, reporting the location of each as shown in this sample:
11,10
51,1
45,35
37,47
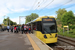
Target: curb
43,43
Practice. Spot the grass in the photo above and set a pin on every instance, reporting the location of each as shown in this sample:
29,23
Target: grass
60,31
67,34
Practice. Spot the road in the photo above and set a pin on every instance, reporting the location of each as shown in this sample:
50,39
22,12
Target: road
14,41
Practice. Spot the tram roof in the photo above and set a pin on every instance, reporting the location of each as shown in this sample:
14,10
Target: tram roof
39,19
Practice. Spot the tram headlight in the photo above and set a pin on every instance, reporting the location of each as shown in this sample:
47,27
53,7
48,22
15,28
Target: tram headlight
45,36
56,35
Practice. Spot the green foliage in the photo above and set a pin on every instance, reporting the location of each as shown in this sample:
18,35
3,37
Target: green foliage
72,27
60,30
72,32
68,19
60,12
14,23
28,18
31,17
7,21
66,34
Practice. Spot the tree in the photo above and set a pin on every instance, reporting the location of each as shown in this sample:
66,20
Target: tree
68,19
60,12
31,17
14,23
28,18
7,21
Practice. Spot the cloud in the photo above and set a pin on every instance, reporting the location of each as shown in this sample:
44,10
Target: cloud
19,10
72,2
70,8
17,6
53,4
15,20
12,6
1,20
22,20
74,13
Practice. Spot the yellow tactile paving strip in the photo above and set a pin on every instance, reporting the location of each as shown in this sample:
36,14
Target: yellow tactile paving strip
33,43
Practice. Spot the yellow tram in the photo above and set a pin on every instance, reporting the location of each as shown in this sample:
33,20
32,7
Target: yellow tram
45,28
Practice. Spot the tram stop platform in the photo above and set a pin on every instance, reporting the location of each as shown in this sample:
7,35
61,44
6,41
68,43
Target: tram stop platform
18,41
39,45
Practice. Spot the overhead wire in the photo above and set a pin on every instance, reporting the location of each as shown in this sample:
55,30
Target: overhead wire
34,4
47,5
40,4
37,4
59,6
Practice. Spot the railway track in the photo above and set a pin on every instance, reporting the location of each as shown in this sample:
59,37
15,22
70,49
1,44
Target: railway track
55,46
67,42
52,46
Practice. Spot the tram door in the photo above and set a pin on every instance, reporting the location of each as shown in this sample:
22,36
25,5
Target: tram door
39,29
31,28
34,28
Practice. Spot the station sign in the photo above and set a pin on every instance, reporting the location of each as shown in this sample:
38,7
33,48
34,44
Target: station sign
48,19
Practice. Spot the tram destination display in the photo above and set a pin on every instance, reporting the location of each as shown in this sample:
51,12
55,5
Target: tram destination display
48,19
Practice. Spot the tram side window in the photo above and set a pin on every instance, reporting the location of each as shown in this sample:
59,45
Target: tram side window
39,26
34,26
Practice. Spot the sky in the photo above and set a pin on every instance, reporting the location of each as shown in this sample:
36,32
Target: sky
15,8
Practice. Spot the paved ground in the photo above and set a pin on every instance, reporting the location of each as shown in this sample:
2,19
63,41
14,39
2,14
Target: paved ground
12,41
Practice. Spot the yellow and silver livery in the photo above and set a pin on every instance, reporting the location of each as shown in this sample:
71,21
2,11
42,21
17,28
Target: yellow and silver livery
45,28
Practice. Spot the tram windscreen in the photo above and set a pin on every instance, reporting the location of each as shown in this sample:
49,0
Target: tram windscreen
49,28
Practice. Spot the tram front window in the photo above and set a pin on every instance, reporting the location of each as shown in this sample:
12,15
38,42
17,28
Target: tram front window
49,28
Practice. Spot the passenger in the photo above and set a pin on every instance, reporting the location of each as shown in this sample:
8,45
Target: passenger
19,27
29,29
34,27
25,29
22,28
11,28
8,28
15,29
